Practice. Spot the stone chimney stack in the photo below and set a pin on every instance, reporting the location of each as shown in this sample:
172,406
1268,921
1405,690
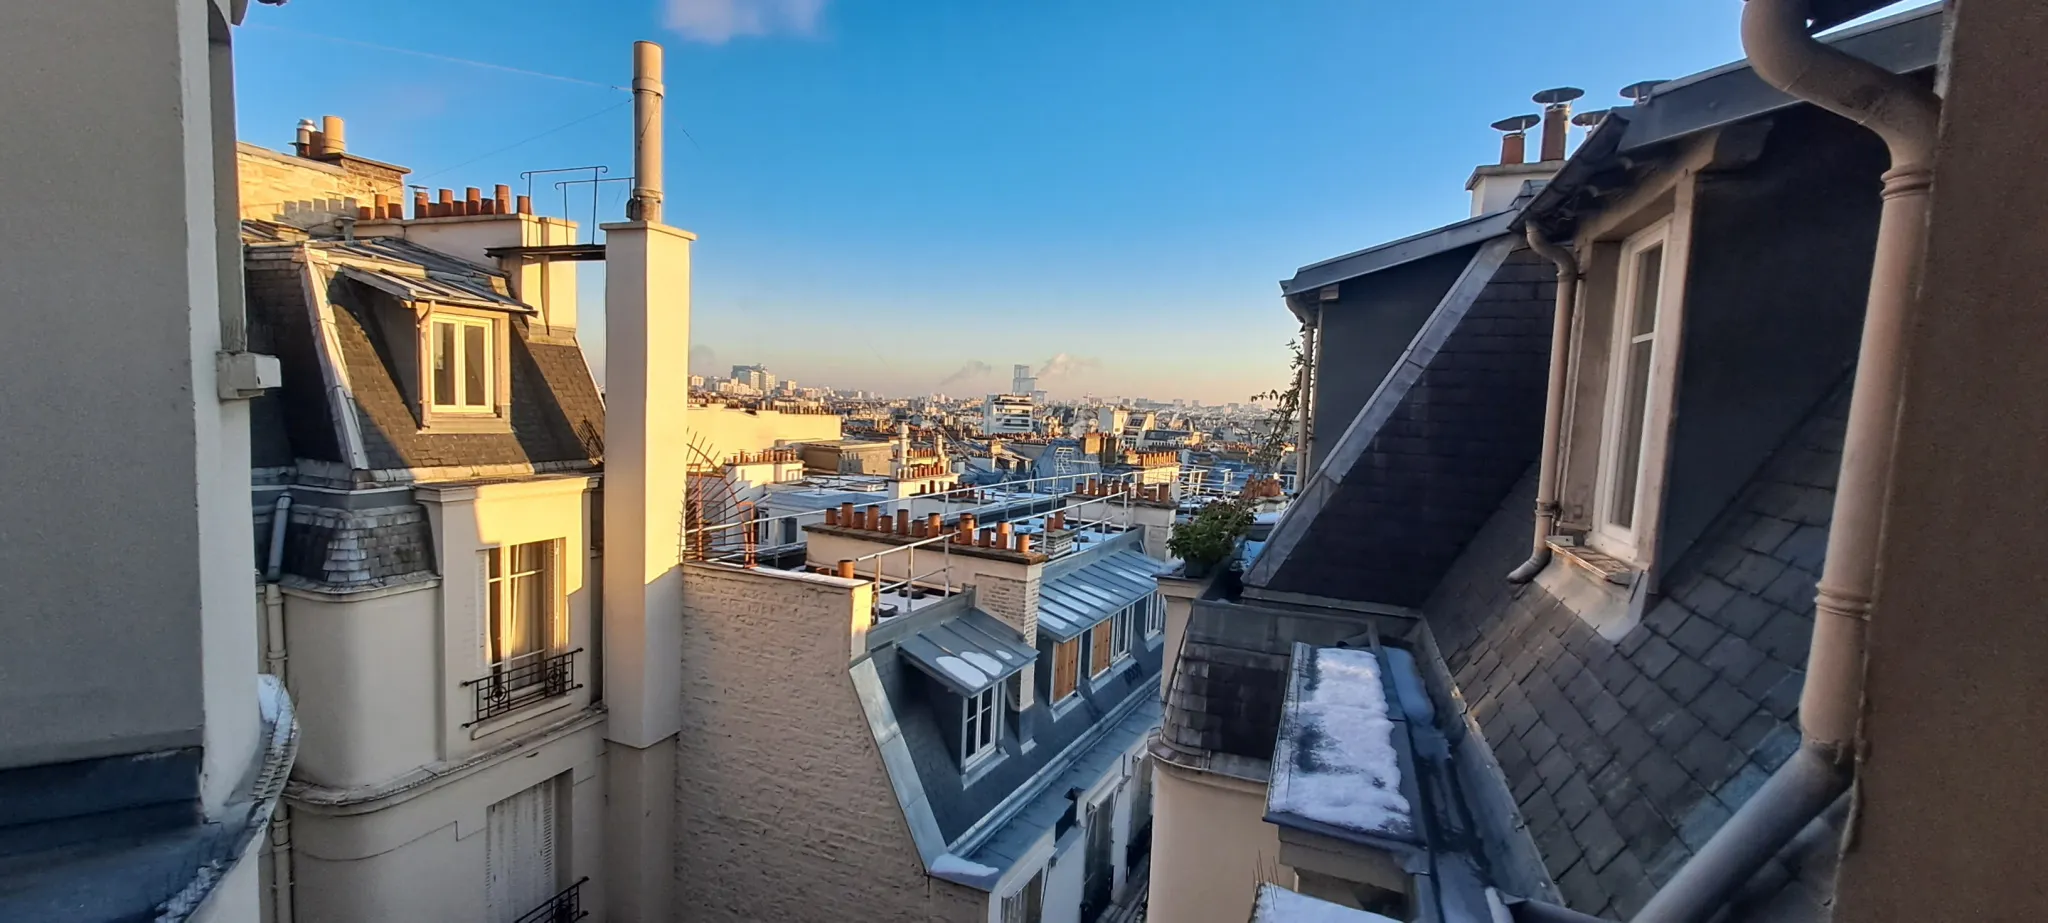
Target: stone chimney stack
647,340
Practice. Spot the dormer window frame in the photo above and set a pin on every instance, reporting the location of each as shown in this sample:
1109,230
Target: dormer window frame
1635,411
462,415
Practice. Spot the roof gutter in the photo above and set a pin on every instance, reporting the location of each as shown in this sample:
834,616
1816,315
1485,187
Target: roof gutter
1906,115
1553,405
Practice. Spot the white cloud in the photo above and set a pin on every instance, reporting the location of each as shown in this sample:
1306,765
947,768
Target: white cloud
716,21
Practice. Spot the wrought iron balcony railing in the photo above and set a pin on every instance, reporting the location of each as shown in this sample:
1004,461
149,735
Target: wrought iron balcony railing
562,908
522,681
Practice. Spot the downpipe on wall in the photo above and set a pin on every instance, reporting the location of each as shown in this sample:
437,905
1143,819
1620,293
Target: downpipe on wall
1553,403
1906,115
275,657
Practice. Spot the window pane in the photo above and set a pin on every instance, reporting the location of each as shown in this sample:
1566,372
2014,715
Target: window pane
495,593
476,353
1628,455
1649,279
444,363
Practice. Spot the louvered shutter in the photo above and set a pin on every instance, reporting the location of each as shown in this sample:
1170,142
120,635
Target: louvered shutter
519,853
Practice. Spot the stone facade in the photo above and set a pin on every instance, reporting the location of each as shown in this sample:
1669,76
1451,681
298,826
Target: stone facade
784,810
307,193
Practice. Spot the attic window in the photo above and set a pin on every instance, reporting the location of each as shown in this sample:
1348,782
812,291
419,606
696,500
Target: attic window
463,377
1631,416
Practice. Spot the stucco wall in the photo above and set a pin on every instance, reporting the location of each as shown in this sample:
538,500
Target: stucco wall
725,430
784,809
1951,790
423,857
116,435
1211,847
365,672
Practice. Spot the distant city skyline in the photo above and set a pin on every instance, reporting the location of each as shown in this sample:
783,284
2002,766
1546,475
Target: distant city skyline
887,193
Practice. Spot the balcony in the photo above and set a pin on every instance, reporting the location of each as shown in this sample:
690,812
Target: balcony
522,682
562,908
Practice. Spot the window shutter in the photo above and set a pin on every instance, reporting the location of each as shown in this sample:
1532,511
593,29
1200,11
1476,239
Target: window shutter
519,853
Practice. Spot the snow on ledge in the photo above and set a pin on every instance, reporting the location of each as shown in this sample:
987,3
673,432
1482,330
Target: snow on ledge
960,871
1279,905
1335,762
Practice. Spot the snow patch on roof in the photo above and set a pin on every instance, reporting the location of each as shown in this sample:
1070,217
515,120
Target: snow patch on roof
984,662
1335,762
959,670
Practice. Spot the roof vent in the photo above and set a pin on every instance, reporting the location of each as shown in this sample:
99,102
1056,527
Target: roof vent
1640,91
1557,114
1514,141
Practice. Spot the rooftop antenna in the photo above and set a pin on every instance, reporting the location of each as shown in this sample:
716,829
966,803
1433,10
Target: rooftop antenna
1514,141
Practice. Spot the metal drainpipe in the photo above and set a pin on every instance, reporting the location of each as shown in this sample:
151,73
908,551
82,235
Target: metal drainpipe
1553,405
274,660
1907,116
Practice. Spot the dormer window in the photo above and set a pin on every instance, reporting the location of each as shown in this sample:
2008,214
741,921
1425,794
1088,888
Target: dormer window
463,376
981,725
1634,364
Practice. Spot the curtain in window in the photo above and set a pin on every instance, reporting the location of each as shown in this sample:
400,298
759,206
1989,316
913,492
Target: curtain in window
521,600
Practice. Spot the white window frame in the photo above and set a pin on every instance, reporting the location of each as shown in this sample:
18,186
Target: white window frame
460,322
1624,542
981,725
1155,615
500,594
1120,633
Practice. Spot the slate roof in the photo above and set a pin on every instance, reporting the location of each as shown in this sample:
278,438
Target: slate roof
557,414
1625,758
354,543
1078,599
924,713
969,653
1451,428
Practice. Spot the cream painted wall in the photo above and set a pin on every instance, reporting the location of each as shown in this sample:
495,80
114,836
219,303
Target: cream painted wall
466,521
366,676
725,430
419,855
1210,847
827,550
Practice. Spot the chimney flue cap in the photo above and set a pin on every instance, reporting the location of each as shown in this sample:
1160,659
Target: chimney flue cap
1639,92
1590,119
1560,96
1518,124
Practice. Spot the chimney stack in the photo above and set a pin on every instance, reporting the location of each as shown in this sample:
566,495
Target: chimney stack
502,197
1557,117
1514,140
645,201
303,144
332,141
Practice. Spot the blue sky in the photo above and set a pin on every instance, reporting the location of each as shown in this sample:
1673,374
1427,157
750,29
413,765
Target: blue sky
888,193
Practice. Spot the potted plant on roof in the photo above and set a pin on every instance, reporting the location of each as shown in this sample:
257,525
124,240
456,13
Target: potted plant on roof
1209,537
